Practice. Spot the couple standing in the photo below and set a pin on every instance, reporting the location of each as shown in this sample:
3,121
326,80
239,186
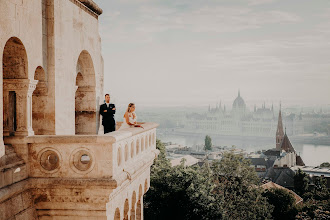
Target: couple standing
108,110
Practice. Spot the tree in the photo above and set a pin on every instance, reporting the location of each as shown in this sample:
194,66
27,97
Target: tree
325,164
178,192
300,182
208,143
321,191
224,190
283,202
236,190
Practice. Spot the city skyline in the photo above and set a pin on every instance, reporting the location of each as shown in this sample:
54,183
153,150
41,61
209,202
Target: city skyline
196,53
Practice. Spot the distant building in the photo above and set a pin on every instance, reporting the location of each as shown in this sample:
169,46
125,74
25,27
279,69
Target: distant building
189,161
239,121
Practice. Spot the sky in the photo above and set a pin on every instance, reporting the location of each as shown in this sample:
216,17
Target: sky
198,52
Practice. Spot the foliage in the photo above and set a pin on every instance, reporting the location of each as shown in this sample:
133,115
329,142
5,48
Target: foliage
316,200
321,191
236,190
283,202
325,164
300,182
208,143
185,191
224,190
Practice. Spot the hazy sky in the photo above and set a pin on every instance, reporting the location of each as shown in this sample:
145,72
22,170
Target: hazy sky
196,52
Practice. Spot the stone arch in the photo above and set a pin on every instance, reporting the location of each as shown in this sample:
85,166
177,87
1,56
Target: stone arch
119,156
85,98
137,147
147,142
126,152
140,192
139,204
132,217
138,210
17,90
145,185
142,144
39,102
117,214
132,149
126,209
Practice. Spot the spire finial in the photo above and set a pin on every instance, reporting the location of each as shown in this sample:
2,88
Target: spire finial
285,130
239,93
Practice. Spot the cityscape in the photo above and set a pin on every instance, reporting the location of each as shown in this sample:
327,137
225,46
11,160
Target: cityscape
158,110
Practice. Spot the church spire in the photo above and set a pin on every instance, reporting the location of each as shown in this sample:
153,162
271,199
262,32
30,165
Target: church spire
279,131
239,93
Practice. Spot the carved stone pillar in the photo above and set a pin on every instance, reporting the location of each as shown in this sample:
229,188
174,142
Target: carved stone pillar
23,89
6,114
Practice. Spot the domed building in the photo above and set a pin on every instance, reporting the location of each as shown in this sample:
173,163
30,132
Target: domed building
239,106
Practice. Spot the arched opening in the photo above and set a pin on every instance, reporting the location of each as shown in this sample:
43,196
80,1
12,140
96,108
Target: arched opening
137,146
138,210
85,98
139,205
132,149
133,206
140,192
39,102
17,90
117,214
145,186
126,152
126,209
142,144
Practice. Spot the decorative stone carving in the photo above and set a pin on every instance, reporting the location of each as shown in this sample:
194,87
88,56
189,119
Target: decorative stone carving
82,161
49,160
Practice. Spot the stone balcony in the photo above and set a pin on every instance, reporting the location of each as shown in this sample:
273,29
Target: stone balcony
84,175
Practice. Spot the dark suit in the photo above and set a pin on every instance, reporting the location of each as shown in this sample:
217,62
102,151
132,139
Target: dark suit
108,119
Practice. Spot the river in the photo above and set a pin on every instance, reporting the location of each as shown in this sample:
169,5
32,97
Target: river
312,155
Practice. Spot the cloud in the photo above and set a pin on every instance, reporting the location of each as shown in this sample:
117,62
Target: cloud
209,19
260,2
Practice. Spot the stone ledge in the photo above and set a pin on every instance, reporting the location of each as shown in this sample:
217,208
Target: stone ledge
33,183
89,6
92,5
105,138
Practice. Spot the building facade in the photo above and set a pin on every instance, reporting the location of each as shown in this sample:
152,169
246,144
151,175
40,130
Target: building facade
53,163
240,121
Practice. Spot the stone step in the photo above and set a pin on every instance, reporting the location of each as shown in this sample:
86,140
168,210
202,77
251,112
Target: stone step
9,149
10,159
12,168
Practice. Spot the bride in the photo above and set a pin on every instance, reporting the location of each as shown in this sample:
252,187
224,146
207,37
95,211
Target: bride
130,118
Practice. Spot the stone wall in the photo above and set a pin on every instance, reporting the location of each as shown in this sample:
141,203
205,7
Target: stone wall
18,207
76,32
18,19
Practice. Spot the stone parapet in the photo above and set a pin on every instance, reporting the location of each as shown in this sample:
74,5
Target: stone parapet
78,176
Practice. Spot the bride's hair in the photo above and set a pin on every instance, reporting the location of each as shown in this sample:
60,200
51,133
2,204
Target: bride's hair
129,107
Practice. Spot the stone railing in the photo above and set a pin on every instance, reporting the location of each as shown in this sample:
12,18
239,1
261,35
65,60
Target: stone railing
117,155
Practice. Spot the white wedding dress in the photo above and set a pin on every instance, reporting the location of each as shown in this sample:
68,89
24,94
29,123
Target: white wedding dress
132,119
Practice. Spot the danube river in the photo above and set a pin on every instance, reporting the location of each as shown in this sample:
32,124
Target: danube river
313,155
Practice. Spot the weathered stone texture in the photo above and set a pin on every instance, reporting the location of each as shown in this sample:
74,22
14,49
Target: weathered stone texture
53,165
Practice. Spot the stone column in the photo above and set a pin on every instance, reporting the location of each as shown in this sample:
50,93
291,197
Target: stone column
6,115
2,146
32,87
23,89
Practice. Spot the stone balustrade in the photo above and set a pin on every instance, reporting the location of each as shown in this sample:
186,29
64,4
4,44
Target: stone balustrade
101,176
111,155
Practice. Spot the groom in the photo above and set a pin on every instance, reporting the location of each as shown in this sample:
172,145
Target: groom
108,110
